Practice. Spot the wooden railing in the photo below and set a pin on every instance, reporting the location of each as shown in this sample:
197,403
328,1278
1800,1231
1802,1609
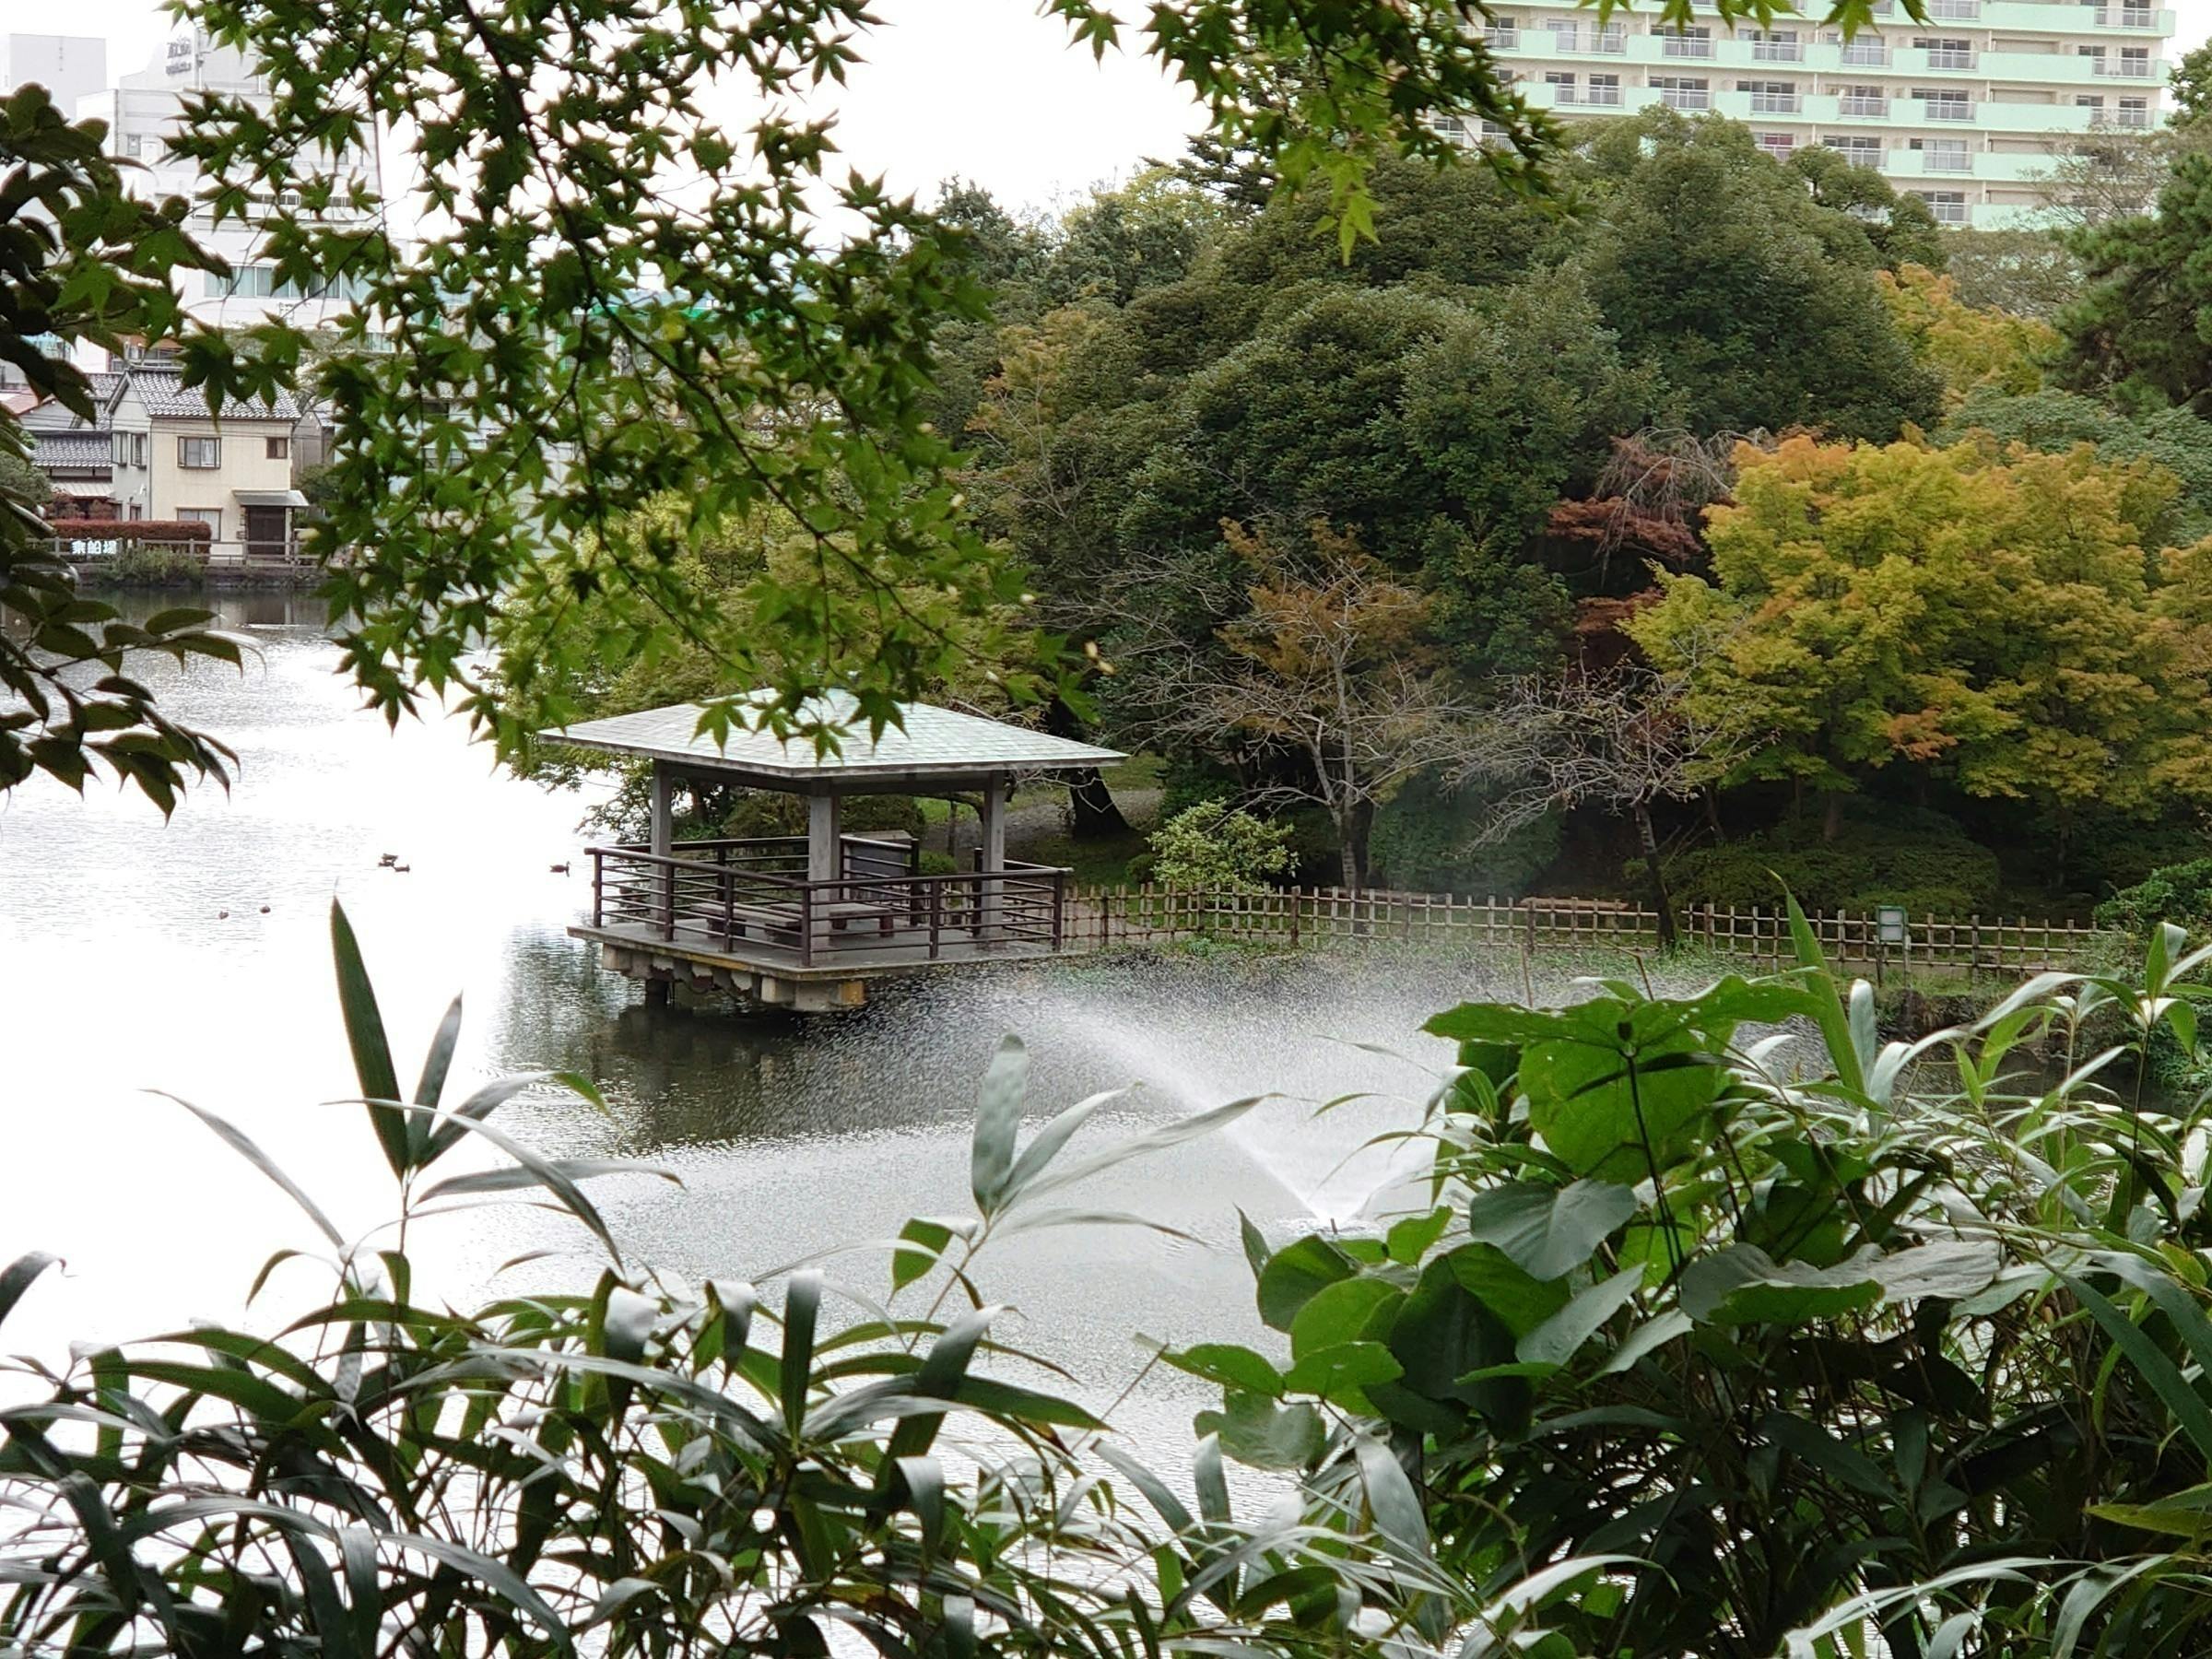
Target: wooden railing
739,896
1296,919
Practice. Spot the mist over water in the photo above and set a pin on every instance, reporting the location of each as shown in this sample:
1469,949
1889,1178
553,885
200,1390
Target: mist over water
121,970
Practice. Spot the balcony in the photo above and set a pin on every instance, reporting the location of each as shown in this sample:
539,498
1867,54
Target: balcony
1686,98
1948,161
1877,108
1777,51
2122,68
1944,110
1776,103
1947,57
2132,118
1686,46
2127,16
1955,11
1601,97
1500,38
1864,54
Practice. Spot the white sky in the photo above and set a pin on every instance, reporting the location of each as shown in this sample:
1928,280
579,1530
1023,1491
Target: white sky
978,88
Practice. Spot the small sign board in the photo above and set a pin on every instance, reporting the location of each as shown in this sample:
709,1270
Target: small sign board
1889,923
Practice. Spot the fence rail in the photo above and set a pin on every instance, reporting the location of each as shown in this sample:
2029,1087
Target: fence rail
1296,919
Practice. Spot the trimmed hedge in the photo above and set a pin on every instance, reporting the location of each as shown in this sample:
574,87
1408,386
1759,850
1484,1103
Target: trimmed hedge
1886,855
138,530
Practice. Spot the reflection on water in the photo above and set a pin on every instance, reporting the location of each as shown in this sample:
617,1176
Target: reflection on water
194,957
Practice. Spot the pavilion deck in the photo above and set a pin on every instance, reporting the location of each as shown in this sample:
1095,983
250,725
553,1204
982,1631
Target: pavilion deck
749,906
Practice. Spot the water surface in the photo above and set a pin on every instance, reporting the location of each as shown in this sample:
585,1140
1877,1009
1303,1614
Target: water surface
193,957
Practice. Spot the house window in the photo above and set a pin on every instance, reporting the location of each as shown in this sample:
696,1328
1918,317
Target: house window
277,449
138,510
200,455
1947,205
210,516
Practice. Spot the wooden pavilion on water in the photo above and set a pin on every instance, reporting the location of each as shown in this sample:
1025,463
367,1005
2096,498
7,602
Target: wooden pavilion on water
805,922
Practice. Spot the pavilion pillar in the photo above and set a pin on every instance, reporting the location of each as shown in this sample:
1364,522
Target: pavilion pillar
663,834
992,856
825,856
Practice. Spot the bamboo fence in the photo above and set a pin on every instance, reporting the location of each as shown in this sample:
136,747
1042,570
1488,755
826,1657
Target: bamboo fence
1314,918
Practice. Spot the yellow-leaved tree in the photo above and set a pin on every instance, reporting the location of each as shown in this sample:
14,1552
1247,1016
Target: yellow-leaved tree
1971,346
1984,614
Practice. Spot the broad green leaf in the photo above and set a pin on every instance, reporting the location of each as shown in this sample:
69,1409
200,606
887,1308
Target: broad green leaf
1257,1432
1550,1231
1295,1274
1339,1313
1338,1374
1228,1365
18,1277
1555,1341
1519,1300
1743,1284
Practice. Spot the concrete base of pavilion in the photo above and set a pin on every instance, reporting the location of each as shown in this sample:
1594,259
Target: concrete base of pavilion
773,977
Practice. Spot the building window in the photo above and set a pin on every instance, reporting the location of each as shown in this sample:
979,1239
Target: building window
1686,43
200,455
1678,92
1945,104
1944,155
1771,97
1605,89
2134,112
1504,31
138,510
1947,205
1861,52
1863,101
1945,54
1775,46
210,516
277,449
2134,61
1777,144
1859,152
2089,101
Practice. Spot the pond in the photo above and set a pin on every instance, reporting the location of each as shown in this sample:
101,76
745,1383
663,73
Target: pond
193,957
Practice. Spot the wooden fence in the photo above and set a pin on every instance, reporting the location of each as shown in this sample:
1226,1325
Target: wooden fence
1297,919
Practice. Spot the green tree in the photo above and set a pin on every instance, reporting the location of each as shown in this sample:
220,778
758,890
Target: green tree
80,261
2173,440
1984,616
2140,330
1709,257
2027,273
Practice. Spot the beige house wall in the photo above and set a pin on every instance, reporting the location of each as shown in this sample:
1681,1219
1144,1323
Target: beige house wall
246,465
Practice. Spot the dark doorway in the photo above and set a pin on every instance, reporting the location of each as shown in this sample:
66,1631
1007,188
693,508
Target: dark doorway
268,533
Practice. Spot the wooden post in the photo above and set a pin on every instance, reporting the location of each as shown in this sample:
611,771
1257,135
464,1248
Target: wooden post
990,858
825,859
663,810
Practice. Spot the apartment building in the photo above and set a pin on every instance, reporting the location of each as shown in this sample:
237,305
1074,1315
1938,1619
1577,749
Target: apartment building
1968,110
143,112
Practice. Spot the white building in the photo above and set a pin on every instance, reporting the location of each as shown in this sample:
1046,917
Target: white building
143,111
69,67
1967,112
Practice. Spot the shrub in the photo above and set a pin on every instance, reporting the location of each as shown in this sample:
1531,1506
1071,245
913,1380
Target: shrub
1211,848
153,564
2180,893
1886,855
645,1468
1425,841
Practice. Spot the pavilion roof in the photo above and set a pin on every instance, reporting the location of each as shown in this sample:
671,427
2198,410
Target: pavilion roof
936,743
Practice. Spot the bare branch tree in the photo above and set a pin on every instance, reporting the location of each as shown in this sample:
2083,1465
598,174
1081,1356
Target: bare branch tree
1619,740
1328,687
